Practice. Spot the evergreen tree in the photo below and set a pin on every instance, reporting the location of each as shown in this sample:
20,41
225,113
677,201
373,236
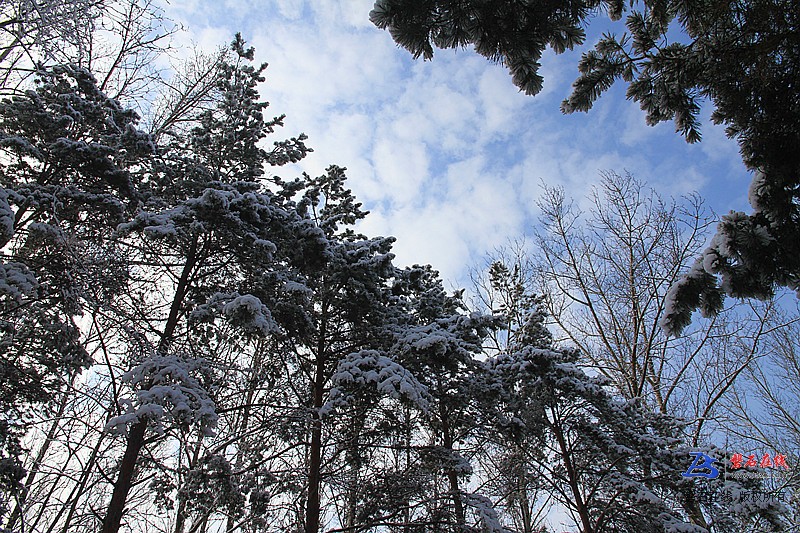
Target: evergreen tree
431,372
68,152
214,237
514,450
441,347
208,285
611,462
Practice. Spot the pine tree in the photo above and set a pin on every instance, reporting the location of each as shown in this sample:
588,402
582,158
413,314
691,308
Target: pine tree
215,236
610,461
512,454
441,346
343,315
431,382
67,180
515,33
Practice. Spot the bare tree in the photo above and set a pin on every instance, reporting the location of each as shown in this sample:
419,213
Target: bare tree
191,89
606,274
764,407
122,42
34,31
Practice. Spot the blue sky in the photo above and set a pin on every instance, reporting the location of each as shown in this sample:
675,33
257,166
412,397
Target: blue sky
447,155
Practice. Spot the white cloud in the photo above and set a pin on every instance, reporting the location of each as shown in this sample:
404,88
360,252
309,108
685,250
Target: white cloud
448,155
291,9
401,170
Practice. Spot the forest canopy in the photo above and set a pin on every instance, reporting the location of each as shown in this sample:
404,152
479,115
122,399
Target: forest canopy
190,341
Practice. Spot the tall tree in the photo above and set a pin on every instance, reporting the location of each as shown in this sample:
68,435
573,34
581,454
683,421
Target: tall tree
607,275
743,56
512,456
608,460
431,364
66,182
206,228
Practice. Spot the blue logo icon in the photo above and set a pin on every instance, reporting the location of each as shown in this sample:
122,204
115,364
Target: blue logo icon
703,466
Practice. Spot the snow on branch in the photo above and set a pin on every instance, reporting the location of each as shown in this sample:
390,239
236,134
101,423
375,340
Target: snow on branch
17,282
368,368
487,516
242,311
166,388
6,218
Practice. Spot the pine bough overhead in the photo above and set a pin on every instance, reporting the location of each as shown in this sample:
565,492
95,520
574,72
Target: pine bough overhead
743,57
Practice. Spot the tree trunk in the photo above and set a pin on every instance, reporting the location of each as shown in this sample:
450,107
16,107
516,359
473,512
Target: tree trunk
525,509
136,434
315,459
181,515
452,476
572,477
315,462
244,422
113,517
407,446
354,460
